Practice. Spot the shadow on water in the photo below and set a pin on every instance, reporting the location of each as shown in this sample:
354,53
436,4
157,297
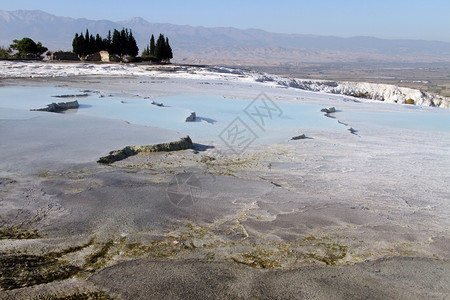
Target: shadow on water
75,110
201,147
68,111
208,120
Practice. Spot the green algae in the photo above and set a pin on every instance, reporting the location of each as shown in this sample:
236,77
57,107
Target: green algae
19,270
323,248
23,270
19,233
279,254
167,248
218,241
259,258
99,295
100,254
44,174
332,255
117,155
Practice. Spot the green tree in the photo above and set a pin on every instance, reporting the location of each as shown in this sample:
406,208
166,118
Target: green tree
40,49
27,47
75,45
108,41
120,43
99,44
123,42
132,48
146,52
92,48
87,43
168,51
79,45
160,47
115,42
161,51
152,46
5,53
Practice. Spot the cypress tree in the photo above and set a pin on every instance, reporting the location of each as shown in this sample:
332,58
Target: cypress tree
169,53
115,42
133,49
160,47
91,45
152,46
99,44
122,42
107,42
87,46
81,46
75,46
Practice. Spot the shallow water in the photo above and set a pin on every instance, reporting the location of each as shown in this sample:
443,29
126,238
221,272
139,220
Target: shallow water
266,120
269,121
214,113
417,118
29,97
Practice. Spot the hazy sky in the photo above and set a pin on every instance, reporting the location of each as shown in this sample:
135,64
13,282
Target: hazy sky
408,19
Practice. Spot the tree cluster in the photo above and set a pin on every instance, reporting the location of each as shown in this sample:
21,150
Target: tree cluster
27,48
120,43
5,53
160,51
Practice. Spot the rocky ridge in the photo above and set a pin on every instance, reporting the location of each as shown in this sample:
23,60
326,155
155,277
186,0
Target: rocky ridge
373,91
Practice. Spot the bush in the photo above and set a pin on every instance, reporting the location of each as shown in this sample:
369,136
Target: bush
133,59
114,58
150,58
4,53
409,101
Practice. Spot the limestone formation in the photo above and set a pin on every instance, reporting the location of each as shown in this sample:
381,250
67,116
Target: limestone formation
191,118
98,56
328,110
299,137
72,96
182,144
59,107
352,130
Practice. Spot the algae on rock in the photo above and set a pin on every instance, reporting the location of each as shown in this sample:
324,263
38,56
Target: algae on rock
182,144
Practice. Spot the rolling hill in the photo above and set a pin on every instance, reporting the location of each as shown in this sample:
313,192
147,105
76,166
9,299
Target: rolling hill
224,44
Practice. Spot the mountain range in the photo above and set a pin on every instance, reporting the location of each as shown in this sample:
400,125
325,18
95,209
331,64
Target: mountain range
223,45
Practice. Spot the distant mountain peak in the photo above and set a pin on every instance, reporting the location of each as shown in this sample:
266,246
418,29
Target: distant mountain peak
136,20
28,16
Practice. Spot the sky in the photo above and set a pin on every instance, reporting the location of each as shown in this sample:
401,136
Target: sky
391,19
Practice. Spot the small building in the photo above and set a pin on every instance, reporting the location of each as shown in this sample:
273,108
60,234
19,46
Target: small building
98,56
61,55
